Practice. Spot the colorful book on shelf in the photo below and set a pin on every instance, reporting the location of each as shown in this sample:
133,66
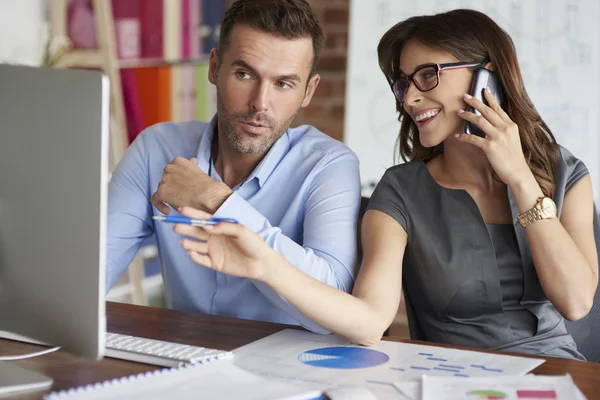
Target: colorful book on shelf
151,95
168,93
195,19
213,12
164,95
172,30
146,93
152,29
80,24
189,92
191,50
172,50
203,93
177,93
128,30
190,33
131,101
186,28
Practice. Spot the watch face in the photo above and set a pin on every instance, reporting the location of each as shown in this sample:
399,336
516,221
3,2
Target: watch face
548,207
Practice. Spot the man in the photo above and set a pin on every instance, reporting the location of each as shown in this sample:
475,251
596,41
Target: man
296,187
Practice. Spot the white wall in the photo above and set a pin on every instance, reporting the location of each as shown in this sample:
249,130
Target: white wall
557,44
21,31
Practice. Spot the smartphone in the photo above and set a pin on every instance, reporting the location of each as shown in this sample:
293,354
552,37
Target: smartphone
483,78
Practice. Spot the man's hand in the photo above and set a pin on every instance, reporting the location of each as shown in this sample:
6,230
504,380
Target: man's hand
184,184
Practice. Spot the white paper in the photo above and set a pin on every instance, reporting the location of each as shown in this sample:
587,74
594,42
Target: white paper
410,389
320,361
215,380
530,387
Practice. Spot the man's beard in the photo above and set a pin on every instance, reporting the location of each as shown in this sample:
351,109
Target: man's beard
236,140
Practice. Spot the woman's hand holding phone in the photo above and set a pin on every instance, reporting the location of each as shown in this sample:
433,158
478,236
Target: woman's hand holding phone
482,78
502,143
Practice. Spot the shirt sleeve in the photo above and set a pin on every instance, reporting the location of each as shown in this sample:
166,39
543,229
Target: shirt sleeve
577,170
328,250
387,198
129,210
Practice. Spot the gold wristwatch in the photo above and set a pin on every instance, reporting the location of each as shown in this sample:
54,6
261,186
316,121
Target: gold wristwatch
543,209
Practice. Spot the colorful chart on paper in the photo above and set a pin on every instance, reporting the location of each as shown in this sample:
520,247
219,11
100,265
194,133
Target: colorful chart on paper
329,360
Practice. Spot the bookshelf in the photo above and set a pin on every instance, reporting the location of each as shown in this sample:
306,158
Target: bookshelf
105,59
158,62
177,52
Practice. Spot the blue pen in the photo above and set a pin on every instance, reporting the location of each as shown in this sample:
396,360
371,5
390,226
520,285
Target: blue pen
180,219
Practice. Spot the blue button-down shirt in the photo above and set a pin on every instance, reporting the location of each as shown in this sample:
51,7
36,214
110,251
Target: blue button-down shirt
302,199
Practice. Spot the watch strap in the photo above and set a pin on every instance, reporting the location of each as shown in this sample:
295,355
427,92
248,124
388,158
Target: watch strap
530,216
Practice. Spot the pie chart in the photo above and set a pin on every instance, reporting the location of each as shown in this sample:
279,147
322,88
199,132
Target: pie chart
343,357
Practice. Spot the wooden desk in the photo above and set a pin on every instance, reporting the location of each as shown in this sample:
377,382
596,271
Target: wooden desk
208,331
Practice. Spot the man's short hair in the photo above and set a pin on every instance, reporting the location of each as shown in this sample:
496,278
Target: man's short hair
289,19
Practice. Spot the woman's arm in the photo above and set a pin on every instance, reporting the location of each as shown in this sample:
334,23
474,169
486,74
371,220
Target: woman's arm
564,251
364,316
361,317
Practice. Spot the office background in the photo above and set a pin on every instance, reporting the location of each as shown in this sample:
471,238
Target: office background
557,45
559,63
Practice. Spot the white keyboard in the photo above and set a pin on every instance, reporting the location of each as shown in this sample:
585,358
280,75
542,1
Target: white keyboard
158,352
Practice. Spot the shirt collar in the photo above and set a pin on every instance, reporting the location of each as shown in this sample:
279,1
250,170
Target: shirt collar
266,166
205,145
262,171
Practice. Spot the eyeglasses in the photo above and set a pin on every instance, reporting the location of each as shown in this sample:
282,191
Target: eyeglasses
426,78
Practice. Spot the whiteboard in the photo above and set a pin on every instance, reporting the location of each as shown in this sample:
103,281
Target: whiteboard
22,31
557,45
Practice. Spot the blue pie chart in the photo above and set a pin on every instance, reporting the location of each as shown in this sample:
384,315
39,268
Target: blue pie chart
343,357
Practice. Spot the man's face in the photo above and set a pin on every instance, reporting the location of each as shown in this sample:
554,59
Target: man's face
262,82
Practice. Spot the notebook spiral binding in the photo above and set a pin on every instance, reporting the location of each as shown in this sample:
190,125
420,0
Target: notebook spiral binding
125,379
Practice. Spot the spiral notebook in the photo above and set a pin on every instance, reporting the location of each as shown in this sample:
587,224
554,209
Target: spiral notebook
212,380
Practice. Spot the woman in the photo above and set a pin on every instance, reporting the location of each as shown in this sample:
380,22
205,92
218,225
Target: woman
468,225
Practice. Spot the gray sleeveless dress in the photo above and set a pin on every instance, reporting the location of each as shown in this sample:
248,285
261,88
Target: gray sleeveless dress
465,282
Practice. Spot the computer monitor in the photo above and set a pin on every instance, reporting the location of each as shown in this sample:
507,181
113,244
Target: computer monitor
53,192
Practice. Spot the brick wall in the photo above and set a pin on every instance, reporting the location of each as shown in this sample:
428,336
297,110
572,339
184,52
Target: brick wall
326,110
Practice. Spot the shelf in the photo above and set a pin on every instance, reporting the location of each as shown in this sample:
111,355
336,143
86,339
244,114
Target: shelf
93,59
159,62
81,59
103,58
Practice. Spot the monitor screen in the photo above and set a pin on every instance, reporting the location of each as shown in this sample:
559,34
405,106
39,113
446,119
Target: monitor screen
53,191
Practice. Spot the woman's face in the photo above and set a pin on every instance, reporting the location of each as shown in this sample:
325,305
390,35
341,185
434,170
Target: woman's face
435,111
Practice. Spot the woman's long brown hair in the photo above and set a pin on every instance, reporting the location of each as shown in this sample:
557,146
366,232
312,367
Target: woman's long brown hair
472,36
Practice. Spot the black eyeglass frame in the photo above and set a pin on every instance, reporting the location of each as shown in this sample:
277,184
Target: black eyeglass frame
438,68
